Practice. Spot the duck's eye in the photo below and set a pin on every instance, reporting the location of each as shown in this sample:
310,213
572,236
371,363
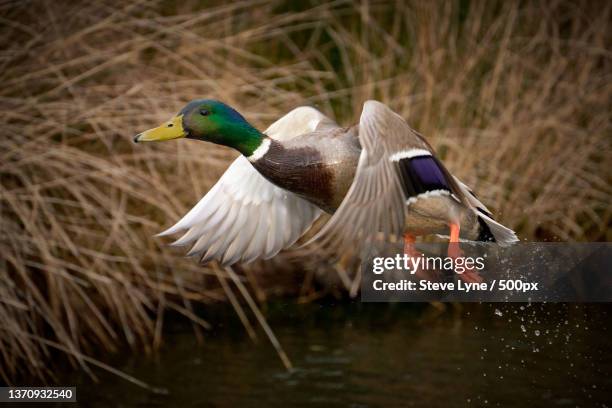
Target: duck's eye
170,124
204,112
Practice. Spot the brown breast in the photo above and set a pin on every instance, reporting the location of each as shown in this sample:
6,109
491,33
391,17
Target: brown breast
321,171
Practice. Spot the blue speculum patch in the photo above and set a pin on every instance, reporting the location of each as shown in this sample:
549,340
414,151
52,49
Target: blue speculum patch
422,174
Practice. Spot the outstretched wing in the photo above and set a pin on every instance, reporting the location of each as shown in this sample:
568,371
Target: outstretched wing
376,201
244,217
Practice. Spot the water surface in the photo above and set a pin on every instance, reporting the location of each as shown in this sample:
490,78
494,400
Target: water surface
368,355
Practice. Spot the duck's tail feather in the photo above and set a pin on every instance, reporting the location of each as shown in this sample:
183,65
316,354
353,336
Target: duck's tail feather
493,231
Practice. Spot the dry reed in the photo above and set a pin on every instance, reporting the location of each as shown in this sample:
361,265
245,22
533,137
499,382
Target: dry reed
516,98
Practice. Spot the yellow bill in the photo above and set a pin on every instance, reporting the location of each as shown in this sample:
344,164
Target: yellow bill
173,129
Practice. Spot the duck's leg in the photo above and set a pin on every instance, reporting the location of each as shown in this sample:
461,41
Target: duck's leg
454,251
453,244
412,252
409,241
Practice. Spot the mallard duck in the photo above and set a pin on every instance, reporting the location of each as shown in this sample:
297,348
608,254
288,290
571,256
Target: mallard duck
377,177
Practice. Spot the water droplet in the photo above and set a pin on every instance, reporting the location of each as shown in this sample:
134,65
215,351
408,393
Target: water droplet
498,312
537,332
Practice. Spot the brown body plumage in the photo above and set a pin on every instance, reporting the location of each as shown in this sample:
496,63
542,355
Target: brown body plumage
320,167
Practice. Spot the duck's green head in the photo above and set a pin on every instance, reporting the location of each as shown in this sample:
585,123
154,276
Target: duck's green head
211,121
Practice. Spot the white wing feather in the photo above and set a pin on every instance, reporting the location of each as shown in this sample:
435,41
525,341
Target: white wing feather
244,217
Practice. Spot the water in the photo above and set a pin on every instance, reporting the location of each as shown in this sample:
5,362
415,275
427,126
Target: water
368,355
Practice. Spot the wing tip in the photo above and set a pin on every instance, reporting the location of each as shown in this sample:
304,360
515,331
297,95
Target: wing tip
170,231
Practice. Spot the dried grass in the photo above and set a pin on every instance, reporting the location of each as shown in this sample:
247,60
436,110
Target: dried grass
516,98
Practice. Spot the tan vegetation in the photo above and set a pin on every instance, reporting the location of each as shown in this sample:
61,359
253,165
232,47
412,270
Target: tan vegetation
516,98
